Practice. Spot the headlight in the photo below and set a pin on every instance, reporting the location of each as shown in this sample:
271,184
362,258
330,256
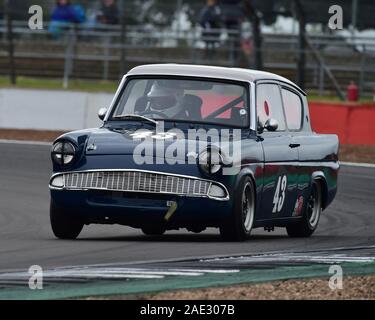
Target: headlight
63,153
210,161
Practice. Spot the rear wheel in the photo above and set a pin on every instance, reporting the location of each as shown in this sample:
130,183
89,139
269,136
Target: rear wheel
64,226
153,230
238,226
310,219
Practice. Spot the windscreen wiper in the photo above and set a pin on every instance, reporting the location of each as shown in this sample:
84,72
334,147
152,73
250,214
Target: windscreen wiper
135,116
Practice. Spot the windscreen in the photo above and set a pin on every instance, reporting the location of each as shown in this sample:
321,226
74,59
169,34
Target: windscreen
195,101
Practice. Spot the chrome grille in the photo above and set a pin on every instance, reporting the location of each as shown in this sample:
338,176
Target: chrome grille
136,181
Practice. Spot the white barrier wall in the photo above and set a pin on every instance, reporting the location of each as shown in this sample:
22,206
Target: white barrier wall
50,109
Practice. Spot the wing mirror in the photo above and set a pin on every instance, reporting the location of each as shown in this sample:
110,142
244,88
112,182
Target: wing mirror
270,125
101,113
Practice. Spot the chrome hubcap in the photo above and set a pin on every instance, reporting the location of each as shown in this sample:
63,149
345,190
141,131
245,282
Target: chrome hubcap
314,206
247,207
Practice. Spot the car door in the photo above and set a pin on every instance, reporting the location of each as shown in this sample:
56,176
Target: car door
280,173
311,148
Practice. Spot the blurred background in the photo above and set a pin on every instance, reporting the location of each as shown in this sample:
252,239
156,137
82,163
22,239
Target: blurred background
87,45
102,39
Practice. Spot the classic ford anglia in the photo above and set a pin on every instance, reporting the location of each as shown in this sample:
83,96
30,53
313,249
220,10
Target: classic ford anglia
185,146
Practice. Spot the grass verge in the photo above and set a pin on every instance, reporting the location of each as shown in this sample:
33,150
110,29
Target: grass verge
110,86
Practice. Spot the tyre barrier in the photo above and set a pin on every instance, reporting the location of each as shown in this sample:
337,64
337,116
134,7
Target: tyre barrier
353,123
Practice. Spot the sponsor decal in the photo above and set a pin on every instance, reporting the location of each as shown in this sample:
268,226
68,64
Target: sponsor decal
298,207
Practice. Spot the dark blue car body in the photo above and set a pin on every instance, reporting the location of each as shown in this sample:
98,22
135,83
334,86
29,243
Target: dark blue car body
303,156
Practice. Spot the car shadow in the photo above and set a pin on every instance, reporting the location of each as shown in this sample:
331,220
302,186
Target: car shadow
185,238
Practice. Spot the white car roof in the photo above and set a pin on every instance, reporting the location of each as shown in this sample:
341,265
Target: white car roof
237,74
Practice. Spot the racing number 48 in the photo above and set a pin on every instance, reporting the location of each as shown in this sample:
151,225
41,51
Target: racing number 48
279,197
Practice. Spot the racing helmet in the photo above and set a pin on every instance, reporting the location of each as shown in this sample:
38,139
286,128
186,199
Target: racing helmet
162,98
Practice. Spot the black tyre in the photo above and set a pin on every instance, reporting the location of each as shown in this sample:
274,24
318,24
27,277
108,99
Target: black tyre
238,226
310,218
153,230
64,226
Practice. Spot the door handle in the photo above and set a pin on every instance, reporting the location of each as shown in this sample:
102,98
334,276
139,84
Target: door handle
294,145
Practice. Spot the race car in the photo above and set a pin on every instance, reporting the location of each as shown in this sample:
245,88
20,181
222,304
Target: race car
189,146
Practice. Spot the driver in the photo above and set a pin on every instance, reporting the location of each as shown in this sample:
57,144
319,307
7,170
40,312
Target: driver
166,100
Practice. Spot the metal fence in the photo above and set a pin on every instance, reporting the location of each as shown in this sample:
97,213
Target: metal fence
106,45
106,52
333,61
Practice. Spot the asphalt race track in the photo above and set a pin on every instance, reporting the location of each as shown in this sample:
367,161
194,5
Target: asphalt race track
26,238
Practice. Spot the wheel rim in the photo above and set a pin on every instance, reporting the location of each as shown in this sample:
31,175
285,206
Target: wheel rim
248,207
314,206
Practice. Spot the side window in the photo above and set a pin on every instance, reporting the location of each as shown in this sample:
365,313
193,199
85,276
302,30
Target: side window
293,109
269,104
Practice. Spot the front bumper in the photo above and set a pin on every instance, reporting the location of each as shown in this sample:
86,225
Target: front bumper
138,198
138,210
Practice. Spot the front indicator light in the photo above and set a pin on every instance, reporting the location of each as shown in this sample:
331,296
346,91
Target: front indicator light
216,191
58,182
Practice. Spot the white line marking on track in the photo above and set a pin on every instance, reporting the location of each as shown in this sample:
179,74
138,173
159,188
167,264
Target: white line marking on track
270,258
121,271
24,276
357,164
28,142
85,272
209,270
114,276
209,257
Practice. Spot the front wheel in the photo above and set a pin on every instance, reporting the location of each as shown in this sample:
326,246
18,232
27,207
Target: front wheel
310,218
238,226
64,226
